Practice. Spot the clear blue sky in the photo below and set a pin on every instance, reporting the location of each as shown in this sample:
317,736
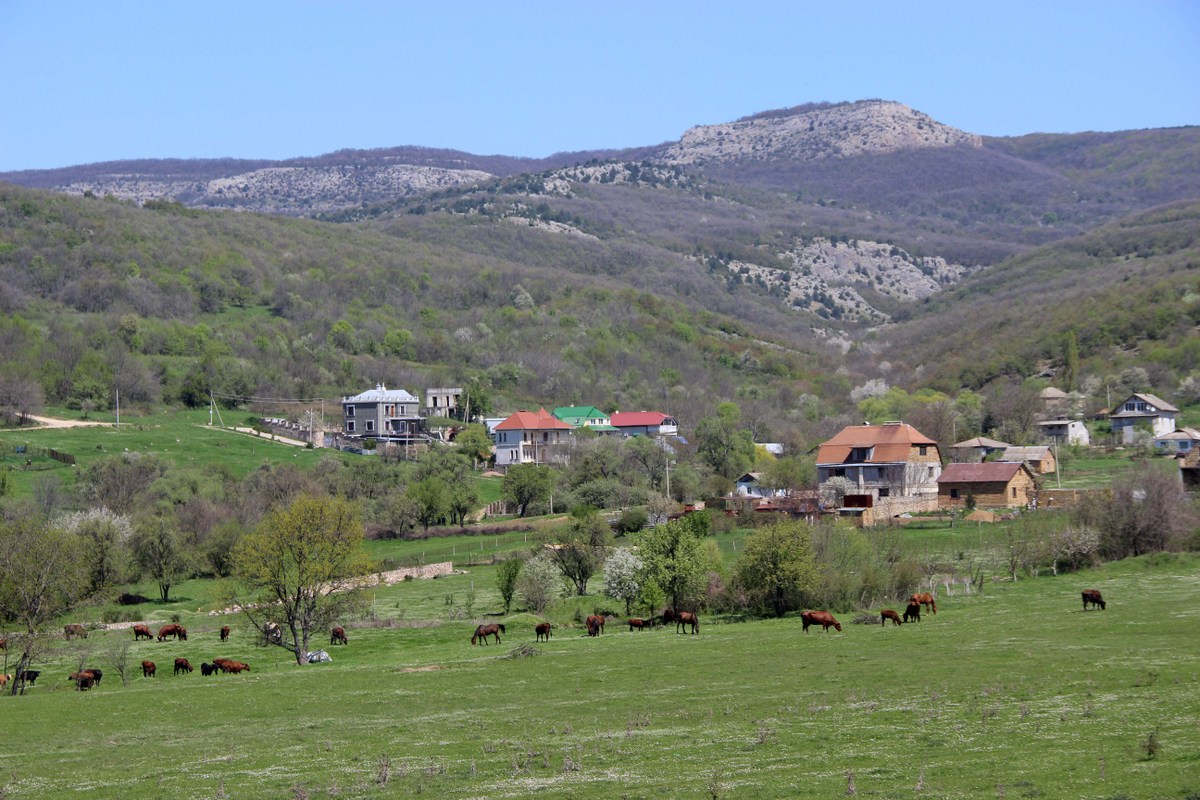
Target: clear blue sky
93,80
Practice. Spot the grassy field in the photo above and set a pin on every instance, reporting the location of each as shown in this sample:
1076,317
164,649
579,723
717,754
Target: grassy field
1012,693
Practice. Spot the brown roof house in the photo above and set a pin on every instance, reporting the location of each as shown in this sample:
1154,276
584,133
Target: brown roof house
892,468
996,484
1040,458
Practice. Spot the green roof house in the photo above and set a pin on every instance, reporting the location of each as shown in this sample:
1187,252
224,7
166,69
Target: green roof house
584,417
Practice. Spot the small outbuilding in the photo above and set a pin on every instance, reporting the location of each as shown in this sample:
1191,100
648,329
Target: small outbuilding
996,484
1040,458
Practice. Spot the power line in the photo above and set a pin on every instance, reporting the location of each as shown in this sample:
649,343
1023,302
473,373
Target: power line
253,399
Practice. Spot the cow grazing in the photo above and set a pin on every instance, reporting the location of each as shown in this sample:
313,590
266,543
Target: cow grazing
84,679
172,630
638,624
73,630
4,679
887,614
597,621
1092,596
225,633
926,599
542,631
338,636
234,667
912,613
182,665
30,676
141,632
822,618
685,618
148,669
206,668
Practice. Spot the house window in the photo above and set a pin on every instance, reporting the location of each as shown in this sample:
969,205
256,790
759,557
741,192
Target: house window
370,425
349,411
954,494
839,472
350,426
1014,491
885,492
923,450
860,454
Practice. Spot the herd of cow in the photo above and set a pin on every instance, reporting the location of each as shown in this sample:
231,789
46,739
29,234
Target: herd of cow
594,625
85,679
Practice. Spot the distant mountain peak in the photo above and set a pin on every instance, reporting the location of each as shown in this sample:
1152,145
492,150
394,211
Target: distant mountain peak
818,131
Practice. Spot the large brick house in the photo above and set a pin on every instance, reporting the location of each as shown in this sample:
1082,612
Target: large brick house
382,413
892,468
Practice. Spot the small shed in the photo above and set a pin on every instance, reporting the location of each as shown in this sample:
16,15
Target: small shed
998,484
977,449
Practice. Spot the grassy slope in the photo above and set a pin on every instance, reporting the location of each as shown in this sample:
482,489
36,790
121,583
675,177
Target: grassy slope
1014,688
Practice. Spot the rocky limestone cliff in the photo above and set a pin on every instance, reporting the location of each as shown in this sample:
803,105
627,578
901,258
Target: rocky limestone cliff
286,190
828,276
869,126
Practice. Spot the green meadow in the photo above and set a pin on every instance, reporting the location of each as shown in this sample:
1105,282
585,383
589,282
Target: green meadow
1015,692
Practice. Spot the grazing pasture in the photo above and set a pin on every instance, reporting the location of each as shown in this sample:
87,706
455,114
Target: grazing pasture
1016,692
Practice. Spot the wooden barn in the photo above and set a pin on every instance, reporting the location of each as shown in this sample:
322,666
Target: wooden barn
998,484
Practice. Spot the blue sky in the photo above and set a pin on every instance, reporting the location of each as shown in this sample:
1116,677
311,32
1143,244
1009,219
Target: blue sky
97,81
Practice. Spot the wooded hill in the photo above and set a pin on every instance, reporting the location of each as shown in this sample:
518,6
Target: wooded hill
779,260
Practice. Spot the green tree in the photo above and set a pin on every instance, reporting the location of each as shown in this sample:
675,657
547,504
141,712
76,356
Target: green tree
431,498
723,443
580,549
296,570
526,485
473,441
506,580
43,573
777,568
158,550
671,553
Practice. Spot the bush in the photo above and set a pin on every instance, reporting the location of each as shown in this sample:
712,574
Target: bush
631,520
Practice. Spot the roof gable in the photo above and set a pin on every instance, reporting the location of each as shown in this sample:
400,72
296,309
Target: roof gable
888,443
540,420
988,472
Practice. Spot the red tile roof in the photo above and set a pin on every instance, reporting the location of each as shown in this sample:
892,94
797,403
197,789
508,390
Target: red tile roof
541,420
893,441
637,419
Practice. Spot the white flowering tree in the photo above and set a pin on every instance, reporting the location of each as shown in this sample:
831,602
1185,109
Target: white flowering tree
623,576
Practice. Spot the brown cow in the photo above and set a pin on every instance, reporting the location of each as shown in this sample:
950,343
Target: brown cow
887,614
686,618
141,632
182,665
482,632
542,631
4,679
338,636
73,630
912,613
167,631
224,633
84,680
1093,596
822,618
233,667
925,599
639,624
596,621
148,669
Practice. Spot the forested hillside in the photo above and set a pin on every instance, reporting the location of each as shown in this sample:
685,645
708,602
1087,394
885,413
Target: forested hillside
781,261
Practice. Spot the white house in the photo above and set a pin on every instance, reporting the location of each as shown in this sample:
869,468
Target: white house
1066,431
1144,411
529,437
644,423
1179,442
